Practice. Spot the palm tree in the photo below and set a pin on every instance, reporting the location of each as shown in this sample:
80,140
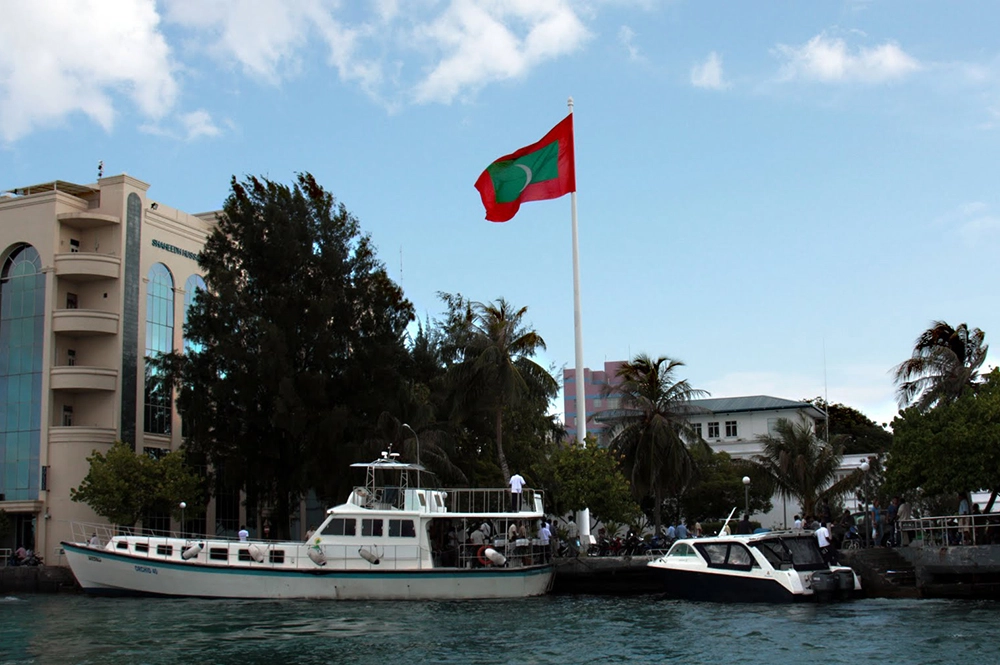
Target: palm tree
649,428
496,365
802,466
944,363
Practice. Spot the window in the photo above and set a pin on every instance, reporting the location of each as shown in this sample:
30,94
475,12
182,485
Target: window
681,549
276,556
165,550
341,527
218,554
157,403
697,429
71,301
193,284
731,428
401,529
371,527
713,430
141,547
122,545
74,245
70,357
67,419
244,555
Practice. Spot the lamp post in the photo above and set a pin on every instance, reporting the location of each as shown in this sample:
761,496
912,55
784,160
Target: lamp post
746,495
183,506
418,451
864,488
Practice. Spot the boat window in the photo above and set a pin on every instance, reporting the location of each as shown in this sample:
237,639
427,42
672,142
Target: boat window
165,550
422,499
340,526
682,549
805,553
371,527
775,553
740,556
141,547
715,552
218,554
245,555
122,545
401,528
438,500
277,556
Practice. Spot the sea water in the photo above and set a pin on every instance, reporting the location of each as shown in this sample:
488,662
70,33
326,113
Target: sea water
554,629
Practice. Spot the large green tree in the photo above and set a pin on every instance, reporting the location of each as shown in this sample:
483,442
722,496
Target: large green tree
945,362
954,447
295,346
123,486
491,347
858,433
802,466
719,488
649,429
578,477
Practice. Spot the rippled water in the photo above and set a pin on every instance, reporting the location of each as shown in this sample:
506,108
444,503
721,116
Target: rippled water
557,629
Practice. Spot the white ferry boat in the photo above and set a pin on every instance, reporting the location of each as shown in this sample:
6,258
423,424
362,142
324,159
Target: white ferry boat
775,566
388,541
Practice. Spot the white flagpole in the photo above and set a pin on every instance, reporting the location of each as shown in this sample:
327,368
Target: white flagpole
581,391
582,516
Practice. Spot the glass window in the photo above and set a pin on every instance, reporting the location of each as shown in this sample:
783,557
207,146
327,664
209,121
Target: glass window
370,527
193,284
730,428
22,325
158,403
340,527
401,529
697,429
715,553
681,549
740,556
713,430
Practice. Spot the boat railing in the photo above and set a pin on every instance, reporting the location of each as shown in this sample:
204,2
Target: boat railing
493,500
948,530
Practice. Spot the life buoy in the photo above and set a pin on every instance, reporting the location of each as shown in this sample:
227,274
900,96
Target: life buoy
482,556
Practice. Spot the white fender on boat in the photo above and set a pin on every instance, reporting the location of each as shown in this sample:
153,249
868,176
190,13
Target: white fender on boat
191,552
317,556
494,556
368,556
256,553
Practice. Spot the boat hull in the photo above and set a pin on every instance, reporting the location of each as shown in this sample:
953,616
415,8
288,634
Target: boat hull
104,572
723,588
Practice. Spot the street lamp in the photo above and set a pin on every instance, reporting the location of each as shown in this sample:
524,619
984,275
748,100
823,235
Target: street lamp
867,527
418,451
183,506
746,495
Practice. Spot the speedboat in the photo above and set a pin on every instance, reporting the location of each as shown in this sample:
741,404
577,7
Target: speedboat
388,541
774,566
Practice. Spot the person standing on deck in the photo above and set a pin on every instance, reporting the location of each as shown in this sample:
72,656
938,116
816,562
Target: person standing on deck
516,485
243,534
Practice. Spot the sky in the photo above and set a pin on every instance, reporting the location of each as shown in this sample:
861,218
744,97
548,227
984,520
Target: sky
781,195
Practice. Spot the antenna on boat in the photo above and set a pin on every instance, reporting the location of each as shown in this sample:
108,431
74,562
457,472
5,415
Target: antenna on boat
727,521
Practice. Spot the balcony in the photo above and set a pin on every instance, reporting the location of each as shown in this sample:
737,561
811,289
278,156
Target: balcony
77,379
85,322
83,436
83,220
87,266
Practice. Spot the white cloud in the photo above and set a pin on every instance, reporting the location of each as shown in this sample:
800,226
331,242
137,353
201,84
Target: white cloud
829,60
482,42
709,73
78,56
626,36
197,124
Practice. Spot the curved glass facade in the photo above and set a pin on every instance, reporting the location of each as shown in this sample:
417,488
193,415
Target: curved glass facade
157,402
193,284
22,327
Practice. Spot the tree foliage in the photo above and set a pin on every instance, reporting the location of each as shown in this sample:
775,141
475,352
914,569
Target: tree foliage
858,433
122,486
954,447
295,347
649,429
945,362
802,466
719,488
577,477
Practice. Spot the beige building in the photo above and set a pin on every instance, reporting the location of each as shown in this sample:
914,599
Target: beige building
94,279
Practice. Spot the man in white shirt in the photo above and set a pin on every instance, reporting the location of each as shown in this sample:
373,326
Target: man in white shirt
243,534
823,540
572,535
516,483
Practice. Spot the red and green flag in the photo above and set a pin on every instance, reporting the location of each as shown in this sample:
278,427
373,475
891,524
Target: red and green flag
543,170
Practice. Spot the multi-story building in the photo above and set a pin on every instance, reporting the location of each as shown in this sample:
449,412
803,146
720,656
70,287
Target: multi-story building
95,278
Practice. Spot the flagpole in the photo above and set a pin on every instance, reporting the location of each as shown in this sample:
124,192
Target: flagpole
581,389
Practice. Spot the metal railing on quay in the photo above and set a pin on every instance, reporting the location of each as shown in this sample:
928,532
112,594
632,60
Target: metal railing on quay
950,530
5,554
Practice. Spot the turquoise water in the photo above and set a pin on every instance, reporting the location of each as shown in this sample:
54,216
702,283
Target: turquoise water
557,629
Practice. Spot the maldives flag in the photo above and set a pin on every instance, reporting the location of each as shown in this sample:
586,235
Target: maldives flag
543,170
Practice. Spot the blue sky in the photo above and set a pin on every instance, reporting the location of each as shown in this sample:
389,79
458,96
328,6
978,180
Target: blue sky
782,195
